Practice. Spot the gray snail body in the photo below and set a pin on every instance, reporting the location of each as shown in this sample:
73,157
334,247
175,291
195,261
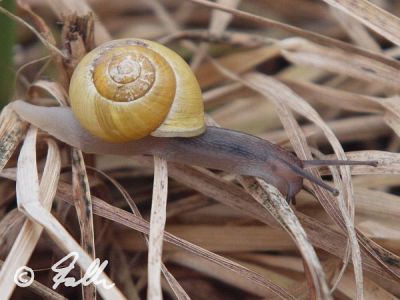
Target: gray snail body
217,148
173,129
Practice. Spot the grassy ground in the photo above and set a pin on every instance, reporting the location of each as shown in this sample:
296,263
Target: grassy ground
319,78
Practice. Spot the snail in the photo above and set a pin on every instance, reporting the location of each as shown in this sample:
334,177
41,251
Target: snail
134,96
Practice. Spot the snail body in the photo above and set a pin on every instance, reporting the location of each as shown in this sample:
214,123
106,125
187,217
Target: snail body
217,148
127,89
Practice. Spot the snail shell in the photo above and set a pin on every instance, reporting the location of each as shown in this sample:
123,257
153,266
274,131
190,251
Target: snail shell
128,89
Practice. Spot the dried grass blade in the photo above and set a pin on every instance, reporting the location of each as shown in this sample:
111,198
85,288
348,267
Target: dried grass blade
217,25
377,203
179,292
211,185
39,21
12,131
274,202
335,97
209,269
282,96
30,232
296,31
238,39
350,129
162,14
229,240
220,20
44,39
53,88
371,16
174,284
157,225
84,211
207,75
105,210
122,273
392,114
389,261
215,187
302,52
28,194
335,247
10,225
356,31
372,290
66,242
320,235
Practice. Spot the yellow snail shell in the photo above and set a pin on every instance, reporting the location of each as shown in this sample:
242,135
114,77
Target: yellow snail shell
127,89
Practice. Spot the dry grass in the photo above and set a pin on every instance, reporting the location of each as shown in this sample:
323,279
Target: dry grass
320,78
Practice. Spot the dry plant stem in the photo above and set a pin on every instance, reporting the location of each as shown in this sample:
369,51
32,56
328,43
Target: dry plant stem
157,225
80,8
50,46
83,206
28,202
30,232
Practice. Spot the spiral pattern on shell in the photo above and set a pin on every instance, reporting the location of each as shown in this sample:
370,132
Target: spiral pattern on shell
128,89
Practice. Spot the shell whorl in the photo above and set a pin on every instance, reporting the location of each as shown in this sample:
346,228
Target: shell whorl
127,89
130,75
